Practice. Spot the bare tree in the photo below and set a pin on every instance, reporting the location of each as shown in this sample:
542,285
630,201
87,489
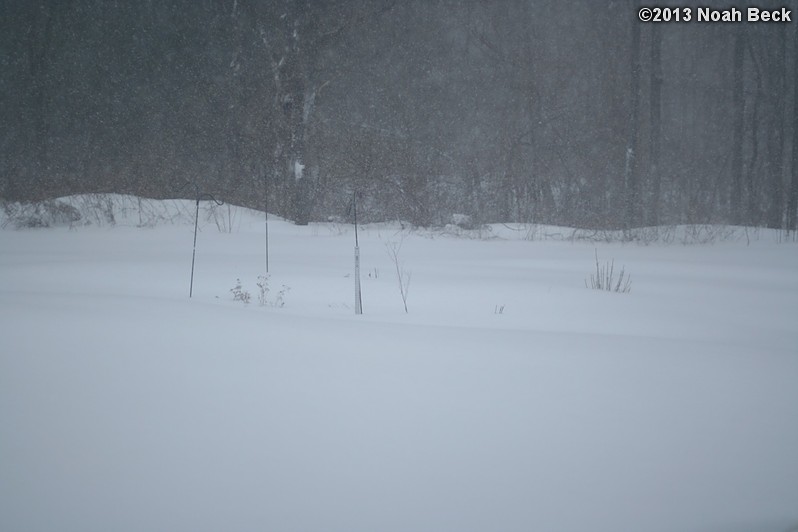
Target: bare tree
792,202
304,31
402,275
655,123
776,112
738,103
631,177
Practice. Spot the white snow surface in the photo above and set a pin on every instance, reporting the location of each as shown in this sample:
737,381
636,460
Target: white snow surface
509,398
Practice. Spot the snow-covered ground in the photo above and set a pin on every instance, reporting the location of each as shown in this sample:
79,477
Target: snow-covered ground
509,398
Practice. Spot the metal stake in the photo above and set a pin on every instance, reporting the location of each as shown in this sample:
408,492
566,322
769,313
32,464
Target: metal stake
196,223
358,299
266,209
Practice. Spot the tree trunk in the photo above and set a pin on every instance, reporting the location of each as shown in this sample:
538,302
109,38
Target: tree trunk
631,178
777,68
738,104
792,203
752,211
655,122
294,106
39,37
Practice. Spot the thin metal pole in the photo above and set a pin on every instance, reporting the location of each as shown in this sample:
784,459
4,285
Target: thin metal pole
354,207
266,208
358,299
196,224
194,252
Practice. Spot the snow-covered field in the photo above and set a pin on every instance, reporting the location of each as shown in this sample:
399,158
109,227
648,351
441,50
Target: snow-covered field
509,398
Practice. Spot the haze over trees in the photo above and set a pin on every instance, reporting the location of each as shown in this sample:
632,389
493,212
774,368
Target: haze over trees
545,111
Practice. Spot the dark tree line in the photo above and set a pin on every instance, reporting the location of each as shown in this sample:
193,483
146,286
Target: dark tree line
545,111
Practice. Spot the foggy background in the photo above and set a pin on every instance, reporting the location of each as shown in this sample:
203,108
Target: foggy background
571,113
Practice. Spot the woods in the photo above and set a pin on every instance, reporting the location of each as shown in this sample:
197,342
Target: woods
572,113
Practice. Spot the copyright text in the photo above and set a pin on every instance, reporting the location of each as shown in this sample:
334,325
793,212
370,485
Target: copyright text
708,14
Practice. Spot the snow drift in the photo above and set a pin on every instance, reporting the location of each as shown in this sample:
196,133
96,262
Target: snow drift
510,397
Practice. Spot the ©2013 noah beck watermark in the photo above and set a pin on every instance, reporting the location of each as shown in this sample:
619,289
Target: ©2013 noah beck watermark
708,14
